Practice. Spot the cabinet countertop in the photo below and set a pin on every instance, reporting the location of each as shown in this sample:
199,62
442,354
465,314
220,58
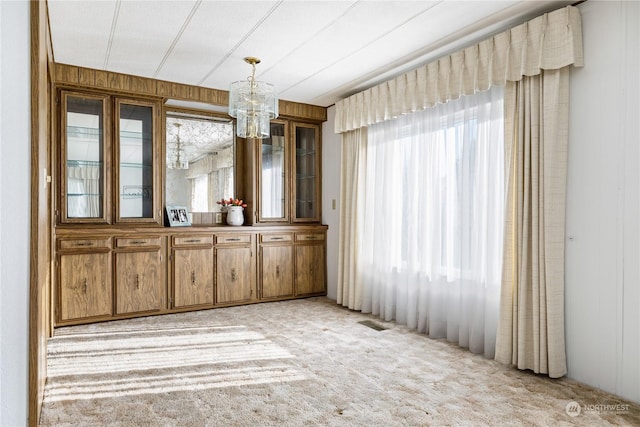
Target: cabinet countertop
98,230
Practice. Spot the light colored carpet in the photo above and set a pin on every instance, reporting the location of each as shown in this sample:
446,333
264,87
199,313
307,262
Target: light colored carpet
161,360
297,363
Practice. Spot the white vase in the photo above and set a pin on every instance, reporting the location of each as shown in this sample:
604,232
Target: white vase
235,215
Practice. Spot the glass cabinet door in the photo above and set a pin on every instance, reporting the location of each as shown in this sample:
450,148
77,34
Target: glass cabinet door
273,174
136,155
306,185
85,152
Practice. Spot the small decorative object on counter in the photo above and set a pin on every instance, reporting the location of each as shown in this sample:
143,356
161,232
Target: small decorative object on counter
234,208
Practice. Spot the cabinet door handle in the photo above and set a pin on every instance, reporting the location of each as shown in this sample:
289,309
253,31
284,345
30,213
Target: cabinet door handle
84,244
138,242
192,241
233,239
233,274
277,270
137,281
193,278
277,238
84,286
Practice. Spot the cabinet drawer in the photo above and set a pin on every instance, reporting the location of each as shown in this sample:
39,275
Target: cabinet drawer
83,243
275,238
136,242
192,240
233,238
305,237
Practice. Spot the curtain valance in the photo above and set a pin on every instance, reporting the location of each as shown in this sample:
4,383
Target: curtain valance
550,41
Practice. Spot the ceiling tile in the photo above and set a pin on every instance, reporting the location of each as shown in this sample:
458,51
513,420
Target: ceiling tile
282,35
215,31
145,34
80,31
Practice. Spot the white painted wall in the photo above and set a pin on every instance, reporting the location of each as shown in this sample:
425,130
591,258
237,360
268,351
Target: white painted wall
15,182
331,192
602,254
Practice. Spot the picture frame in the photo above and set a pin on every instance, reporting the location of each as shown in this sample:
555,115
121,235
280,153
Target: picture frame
177,216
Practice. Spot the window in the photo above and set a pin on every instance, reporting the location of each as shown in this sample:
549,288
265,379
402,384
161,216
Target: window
432,221
199,193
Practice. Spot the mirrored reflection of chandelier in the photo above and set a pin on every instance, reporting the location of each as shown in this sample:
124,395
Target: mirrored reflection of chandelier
253,104
178,156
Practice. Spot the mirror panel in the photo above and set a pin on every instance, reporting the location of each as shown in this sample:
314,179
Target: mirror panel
200,159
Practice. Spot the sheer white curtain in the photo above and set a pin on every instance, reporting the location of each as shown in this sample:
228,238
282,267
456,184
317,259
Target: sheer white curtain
432,220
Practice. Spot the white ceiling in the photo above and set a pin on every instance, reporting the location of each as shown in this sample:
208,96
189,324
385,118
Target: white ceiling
314,52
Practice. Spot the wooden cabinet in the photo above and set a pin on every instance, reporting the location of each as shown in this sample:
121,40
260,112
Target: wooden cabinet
192,267
110,165
85,158
310,264
155,270
115,259
276,265
84,279
292,264
137,161
140,284
235,268
306,165
272,197
282,174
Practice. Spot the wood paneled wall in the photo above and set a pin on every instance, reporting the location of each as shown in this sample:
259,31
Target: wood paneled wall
40,320
71,75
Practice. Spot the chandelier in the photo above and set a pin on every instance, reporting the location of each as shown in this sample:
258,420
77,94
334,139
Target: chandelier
178,157
253,104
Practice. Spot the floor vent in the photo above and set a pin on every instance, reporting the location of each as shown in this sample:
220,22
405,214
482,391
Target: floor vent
373,325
